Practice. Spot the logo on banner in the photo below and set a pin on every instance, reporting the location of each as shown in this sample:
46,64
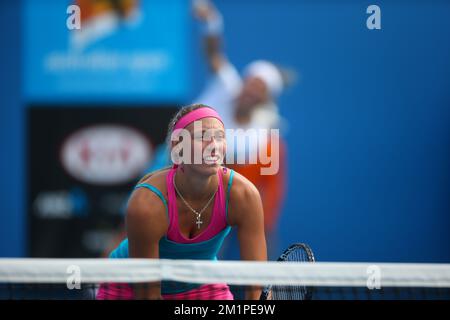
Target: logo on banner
99,19
61,204
106,154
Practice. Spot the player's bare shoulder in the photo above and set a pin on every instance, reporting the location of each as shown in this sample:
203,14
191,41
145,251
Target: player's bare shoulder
244,198
146,206
157,179
241,186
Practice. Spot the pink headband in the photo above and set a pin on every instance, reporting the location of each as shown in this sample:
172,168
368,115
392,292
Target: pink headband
195,115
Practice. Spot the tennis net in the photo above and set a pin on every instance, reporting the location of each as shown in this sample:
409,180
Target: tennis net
197,279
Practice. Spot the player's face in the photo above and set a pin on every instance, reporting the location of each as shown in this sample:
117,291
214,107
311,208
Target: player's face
208,145
253,93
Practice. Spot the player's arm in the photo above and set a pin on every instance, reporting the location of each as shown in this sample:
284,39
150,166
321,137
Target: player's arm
212,24
146,225
246,213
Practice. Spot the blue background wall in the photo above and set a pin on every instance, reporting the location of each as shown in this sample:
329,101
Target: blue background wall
12,129
369,144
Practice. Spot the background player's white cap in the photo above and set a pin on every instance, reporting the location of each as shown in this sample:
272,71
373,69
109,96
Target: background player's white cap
267,72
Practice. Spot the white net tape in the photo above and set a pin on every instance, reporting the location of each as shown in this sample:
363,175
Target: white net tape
231,272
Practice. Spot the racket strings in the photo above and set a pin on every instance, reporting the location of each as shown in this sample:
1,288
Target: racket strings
295,253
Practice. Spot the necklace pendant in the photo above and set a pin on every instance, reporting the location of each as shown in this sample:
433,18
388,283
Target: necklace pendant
199,222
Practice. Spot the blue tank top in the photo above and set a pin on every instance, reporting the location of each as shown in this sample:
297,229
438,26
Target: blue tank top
205,250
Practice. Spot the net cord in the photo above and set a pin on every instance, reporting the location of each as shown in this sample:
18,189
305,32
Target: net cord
230,272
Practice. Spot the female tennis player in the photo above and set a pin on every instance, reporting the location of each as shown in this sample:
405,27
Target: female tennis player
186,211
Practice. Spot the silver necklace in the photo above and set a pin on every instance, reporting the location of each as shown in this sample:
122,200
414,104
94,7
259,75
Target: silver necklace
198,214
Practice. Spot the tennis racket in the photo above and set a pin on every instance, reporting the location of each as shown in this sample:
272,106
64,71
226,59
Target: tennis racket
298,252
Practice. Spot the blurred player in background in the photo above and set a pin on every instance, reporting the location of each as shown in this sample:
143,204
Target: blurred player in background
247,102
243,102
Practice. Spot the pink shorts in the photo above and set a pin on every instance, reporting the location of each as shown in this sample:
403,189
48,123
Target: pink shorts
123,291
